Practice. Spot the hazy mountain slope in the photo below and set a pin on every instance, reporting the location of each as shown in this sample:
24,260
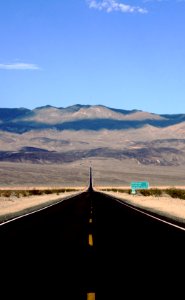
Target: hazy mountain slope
9,114
52,115
50,145
146,145
51,135
159,156
81,117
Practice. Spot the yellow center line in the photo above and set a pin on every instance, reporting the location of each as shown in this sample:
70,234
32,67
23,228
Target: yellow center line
90,220
90,240
90,296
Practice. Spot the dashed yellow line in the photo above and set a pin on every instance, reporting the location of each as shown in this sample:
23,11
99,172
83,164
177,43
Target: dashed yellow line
90,296
90,220
90,240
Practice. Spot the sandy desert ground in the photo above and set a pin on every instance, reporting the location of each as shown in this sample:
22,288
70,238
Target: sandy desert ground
105,172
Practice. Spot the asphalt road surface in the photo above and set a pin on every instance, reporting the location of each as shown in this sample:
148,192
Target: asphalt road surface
91,247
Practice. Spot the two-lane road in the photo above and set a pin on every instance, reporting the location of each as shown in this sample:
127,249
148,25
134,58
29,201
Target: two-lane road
136,253
91,246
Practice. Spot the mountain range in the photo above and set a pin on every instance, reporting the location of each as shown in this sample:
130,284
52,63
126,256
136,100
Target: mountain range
81,117
51,135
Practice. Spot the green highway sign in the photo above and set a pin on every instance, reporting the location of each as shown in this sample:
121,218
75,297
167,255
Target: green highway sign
136,185
140,185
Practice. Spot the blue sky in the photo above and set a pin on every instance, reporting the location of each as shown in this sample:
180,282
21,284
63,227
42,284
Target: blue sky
119,53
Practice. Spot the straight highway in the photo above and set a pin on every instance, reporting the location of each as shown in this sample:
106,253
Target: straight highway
91,247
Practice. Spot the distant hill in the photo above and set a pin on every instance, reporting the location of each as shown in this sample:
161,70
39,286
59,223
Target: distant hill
51,135
81,117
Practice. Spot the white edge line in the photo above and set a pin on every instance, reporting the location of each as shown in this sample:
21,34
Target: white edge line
40,209
147,214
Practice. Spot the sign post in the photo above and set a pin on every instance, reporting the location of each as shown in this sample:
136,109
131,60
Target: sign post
140,185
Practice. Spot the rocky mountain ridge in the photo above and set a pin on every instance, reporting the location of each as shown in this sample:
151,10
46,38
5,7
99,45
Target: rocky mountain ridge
81,117
50,135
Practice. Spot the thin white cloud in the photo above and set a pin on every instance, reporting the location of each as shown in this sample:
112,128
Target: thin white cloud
113,5
19,66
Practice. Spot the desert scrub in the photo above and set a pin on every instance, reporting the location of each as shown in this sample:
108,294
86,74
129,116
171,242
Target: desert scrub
172,192
116,190
176,193
33,192
47,192
151,192
6,194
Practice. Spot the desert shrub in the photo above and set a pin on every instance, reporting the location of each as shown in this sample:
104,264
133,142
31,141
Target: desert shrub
58,191
176,193
70,190
24,193
151,192
145,192
48,192
156,192
122,191
116,190
6,193
36,192
127,191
